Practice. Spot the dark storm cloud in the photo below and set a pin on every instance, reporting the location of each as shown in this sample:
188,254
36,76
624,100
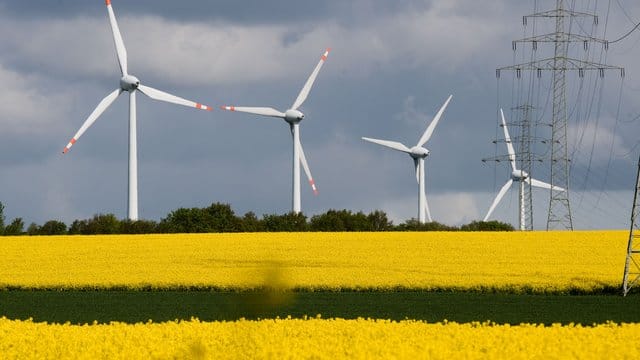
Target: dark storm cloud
244,11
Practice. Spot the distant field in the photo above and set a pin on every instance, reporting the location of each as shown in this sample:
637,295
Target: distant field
512,262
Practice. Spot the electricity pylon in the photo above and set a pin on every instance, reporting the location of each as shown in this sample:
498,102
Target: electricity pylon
632,265
559,216
526,165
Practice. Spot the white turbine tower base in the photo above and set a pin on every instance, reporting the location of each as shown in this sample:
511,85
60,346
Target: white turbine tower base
418,153
516,176
130,84
292,116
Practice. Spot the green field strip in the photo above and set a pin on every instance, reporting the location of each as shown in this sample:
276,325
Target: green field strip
81,307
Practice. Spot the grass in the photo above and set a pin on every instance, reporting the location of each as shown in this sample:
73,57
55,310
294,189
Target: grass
129,306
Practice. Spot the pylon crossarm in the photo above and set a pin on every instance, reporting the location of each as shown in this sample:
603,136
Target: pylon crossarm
550,64
564,37
560,13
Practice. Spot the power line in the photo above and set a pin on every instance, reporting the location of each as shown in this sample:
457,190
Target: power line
627,34
630,19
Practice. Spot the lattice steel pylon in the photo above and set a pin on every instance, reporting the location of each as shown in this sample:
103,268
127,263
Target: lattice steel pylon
631,276
526,159
559,216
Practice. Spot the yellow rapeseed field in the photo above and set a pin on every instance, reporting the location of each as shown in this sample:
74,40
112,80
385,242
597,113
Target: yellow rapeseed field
537,261
315,339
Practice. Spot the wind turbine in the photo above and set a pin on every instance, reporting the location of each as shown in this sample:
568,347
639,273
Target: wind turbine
517,176
293,117
130,84
418,153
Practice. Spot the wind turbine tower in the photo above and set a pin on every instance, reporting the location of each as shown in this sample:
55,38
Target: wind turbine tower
559,216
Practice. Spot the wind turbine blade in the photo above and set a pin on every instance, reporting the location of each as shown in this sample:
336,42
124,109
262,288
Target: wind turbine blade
427,134
305,165
307,86
390,144
156,94
117,39
265,111
544,185
498,198
102,106
507,139
416,164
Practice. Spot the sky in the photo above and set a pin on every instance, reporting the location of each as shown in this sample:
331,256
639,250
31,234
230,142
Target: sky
391,67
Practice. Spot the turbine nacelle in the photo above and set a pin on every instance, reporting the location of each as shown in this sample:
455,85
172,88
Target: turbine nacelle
293,116
418,152
129,83
519,175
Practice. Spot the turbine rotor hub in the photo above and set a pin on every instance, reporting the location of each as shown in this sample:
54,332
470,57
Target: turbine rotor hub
519,175
129,83
293,116
418,152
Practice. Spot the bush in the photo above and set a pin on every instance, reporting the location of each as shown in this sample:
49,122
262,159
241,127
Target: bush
415,225
487,226
138,227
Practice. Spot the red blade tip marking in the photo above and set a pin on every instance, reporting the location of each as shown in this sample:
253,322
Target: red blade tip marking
326,54
229,108
203,107
108,2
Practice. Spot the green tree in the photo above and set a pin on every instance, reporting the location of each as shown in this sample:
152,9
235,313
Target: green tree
33,229
329,221
185,220
99,224
290,222
104,224
221,218
251,223
378,221
78,227
340,220
53,227
15,228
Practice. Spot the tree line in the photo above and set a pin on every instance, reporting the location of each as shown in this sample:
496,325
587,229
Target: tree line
219,218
